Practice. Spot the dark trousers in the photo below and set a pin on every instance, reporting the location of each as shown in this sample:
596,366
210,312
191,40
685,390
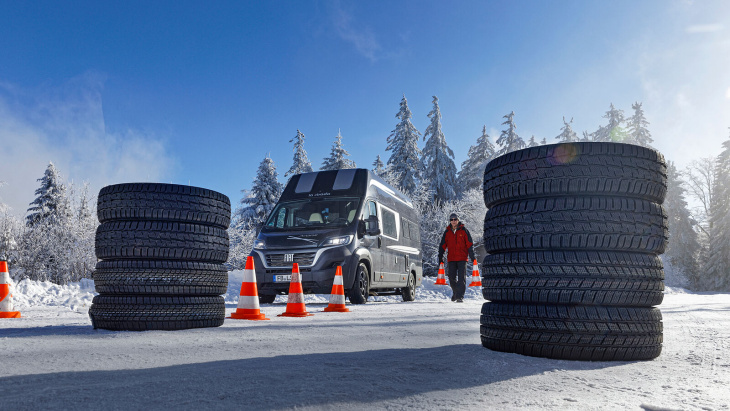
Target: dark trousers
457,278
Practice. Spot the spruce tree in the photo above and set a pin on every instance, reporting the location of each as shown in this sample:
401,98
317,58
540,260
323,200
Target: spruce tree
337,159
683,247
717,268
543,141
51,201
611,132
301,161
509,140
262,197
636,127
567,135
378,166
532,142
471,175
404,164
439,170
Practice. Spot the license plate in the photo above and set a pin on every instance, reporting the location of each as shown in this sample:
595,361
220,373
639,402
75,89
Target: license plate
282,278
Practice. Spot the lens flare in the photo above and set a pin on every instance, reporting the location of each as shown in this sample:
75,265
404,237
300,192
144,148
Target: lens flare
564,154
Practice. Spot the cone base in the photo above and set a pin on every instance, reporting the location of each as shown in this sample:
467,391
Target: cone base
304,314
475,285
10,314
440,283
253,317
336,309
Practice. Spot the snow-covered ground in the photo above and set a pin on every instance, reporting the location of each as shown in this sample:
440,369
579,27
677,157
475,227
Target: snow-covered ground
384,355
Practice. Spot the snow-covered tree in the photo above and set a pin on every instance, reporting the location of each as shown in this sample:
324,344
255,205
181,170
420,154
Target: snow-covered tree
717,267
637,131
700,179
681,265
301,162
471,175
567,135
543,141
404,164
532,142
509,141
378,166
51,199
261,199
337,159
439,170
611,132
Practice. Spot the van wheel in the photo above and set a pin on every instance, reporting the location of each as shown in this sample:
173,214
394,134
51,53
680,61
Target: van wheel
409,292
361,287
266,298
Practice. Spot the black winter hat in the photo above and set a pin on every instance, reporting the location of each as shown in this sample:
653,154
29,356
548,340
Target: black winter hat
453,215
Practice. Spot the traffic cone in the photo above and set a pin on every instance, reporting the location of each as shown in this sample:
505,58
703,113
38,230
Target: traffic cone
337,297
248,300
6,299
295,304
476,279
441,278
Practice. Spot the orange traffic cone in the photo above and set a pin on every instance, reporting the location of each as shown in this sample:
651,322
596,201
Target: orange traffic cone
6,299
476,279
337,298
295,304
441,278
248,300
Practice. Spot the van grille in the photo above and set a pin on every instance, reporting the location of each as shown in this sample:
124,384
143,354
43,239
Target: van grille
277,260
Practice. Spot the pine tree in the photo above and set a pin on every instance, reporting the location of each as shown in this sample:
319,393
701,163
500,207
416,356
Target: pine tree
683,247
717,268
261,199
471,175
543,141
636,125
611,132
51,200
337,160
509,140
439,170
532,142
567,135
378,166
301,162
404,164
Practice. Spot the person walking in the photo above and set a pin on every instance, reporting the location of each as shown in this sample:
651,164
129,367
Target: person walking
457,240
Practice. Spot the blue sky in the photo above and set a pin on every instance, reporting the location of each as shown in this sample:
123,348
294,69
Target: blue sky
201,92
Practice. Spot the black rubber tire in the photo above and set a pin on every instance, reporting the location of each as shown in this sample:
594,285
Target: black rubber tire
160,277
572,332
577,223
409,292
142,313
583,168
163,202
574,277
360,290
155,240
266,298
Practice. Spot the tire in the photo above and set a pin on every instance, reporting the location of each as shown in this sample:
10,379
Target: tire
266,298
409,291
154,240
142,313
576,169
160,277
572,332
577,223
163,202
360,290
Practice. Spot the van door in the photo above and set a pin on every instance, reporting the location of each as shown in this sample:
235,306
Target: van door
393,257
374,244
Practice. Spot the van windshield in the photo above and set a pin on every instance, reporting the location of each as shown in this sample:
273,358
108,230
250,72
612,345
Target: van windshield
313,213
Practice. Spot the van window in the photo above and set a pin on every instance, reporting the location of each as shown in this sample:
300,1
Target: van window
405,228
390,227
313,213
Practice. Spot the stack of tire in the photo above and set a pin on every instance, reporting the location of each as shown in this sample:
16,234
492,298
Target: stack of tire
161,249
573,233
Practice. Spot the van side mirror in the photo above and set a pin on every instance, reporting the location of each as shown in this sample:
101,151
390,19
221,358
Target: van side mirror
373,225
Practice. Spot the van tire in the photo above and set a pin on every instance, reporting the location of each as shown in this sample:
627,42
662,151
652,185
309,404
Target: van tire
409,291
361,286
576,169
266,298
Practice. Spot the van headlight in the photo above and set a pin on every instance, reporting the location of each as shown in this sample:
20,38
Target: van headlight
259,244
344,240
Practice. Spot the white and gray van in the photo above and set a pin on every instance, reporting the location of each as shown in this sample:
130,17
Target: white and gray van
349,218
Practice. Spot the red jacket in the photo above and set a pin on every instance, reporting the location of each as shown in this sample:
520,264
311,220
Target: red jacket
458,243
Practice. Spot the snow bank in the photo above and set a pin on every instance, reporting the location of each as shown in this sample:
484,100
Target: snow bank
75,296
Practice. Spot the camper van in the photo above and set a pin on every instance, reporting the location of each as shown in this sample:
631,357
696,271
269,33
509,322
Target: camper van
349,218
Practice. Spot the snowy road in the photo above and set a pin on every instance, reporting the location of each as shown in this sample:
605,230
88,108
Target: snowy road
384,355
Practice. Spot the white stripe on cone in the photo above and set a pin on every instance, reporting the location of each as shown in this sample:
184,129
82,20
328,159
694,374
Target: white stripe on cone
337,298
